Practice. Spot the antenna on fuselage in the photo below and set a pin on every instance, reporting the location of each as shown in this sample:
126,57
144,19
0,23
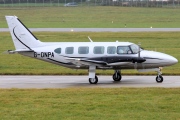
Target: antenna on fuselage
90,39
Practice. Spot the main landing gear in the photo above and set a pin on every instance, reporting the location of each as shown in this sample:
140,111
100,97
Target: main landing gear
159,78
93,79
117,75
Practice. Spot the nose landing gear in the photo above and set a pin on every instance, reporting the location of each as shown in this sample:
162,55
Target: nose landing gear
159,78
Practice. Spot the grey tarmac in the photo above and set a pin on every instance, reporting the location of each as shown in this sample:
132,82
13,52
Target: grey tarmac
99,29
41,82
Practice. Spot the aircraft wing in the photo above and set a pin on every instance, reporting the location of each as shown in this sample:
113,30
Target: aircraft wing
79,62
93,62
119,63
107,61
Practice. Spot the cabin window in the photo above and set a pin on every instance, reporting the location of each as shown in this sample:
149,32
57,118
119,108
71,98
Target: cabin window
83,50
111,50
57,50
123,50
69,50
99,50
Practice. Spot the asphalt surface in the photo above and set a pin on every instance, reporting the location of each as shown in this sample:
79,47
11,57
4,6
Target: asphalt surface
40,82
99,29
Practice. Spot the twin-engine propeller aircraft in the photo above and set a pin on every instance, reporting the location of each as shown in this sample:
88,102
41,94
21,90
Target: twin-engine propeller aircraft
88,55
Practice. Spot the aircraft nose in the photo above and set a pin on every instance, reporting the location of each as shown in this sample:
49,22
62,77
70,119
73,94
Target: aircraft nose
161,59
173,60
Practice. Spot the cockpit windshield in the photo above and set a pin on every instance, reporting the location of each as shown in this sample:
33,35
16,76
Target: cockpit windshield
131,49
135,48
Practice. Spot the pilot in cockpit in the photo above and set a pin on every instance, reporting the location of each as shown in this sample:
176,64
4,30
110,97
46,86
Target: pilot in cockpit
124,50
121,51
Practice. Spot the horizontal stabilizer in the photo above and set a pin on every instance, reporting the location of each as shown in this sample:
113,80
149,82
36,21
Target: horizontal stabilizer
17,51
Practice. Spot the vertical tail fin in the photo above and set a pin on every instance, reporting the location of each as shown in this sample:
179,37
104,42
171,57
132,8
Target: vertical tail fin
21,35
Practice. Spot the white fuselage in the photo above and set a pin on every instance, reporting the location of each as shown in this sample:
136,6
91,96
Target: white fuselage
46,52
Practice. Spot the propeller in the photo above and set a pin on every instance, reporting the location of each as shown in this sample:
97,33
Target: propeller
135,65
139,60
139,44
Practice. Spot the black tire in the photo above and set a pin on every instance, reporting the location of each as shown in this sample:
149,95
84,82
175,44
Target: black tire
159,79
117,78
93,80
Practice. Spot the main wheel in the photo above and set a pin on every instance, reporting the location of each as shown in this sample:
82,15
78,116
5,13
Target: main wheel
93,80
159,79
117,77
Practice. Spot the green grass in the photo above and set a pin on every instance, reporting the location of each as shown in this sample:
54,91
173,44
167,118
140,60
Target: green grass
90,104
93,17
167,42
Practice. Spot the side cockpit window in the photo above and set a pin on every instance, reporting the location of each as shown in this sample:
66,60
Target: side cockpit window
57,50
123,50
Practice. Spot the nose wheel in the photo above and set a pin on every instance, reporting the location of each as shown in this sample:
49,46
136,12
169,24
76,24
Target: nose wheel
159,78
117,76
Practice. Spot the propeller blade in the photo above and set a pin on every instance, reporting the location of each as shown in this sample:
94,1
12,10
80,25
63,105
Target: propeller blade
142,65
135,65
139,44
